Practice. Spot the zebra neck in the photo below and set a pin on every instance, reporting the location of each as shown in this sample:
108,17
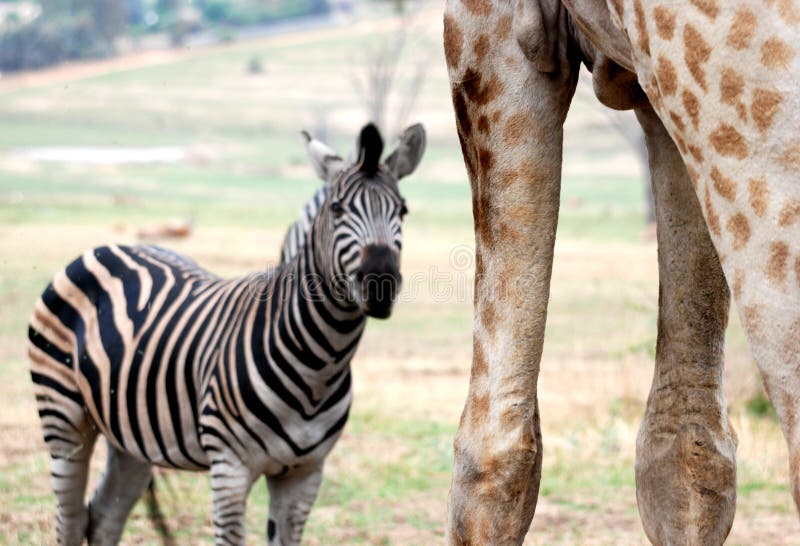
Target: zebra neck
309,328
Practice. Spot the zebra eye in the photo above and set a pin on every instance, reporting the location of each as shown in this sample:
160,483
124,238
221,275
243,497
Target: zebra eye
337,208
403,210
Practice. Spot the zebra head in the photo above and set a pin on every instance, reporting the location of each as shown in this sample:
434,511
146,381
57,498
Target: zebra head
362,216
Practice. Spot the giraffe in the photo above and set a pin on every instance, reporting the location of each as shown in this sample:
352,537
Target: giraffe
715,86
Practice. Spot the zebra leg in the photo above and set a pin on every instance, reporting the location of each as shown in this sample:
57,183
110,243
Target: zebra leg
290,501
69,434
230,483
123,482
69,470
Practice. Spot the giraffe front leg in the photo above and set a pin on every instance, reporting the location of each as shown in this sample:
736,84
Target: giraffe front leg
512,81
686,449
231,480
290,500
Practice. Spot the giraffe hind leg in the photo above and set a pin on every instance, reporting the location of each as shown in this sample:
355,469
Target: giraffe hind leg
124,480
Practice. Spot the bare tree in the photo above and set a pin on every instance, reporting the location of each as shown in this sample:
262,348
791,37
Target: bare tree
389,69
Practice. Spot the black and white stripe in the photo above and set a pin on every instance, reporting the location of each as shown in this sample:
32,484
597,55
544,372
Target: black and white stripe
246,377
296,235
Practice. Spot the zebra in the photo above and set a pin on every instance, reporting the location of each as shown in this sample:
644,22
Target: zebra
244,377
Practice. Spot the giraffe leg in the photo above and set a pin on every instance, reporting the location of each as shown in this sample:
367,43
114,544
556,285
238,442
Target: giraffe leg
290,501
768,303
510,127
686,449
124,480
230,483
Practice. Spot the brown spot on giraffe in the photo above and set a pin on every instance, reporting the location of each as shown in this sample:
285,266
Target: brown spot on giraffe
503,28
777,262
513,62
508,178
711,216
789,12
692,106
514,129
776,54
742,29
483,217
481,47
453,42
480,368
483,124
479,92
731,88
790,213
665,22
463,129
618,7
696,153
757,188
478,7
791,342
485,160
724,185
708,8
764,107
643,38
488,315
681,144
520,215
738,283
666,76
751,318
478,409
677,121
739,227
790,159
696,53
797,269
496,115
728,141
509,227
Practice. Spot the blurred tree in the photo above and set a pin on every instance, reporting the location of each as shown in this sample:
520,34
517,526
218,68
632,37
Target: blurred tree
391,69
108,17
167,6
66,29
134,11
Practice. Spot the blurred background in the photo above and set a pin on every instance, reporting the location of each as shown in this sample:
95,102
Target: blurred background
177,122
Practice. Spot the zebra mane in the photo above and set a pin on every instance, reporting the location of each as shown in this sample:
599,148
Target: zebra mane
296,235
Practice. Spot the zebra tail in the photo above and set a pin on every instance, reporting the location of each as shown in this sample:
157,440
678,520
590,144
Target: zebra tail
156,516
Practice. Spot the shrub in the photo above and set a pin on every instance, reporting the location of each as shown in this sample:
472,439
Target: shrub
44,42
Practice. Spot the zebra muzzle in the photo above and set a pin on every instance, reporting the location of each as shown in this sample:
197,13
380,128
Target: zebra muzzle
379,279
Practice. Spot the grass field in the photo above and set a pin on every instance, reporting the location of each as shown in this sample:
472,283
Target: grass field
244,177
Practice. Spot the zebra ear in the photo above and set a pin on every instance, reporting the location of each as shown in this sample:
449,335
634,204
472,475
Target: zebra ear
326,162
406,156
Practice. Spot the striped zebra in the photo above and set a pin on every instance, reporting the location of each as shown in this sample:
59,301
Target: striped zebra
246,377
